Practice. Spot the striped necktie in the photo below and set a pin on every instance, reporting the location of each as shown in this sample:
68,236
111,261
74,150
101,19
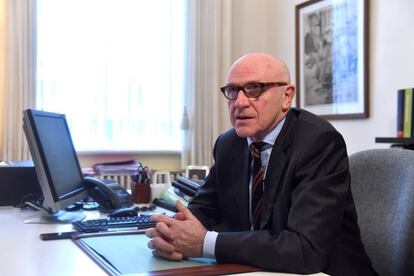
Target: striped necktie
257,182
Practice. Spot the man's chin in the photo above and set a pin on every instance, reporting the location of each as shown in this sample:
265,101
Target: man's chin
243,132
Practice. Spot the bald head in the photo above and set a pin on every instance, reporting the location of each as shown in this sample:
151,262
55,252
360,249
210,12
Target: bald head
255,116
263,64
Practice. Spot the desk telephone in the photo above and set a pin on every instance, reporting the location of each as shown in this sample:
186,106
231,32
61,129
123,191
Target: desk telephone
107,193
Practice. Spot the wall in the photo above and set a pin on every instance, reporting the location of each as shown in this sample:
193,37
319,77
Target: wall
269,25
155,161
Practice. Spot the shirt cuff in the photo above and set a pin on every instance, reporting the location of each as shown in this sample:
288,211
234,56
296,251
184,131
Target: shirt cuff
209,244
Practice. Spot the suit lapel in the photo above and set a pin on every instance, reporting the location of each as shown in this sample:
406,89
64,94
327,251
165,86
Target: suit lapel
239,178
277,162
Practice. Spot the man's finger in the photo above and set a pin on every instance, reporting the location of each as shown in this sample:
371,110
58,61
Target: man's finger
184,210
151,232
159,243
163,230
162,218
174,256
179,216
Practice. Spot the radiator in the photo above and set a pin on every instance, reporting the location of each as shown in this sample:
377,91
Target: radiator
125,180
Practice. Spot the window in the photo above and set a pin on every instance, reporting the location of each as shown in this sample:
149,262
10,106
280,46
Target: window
116,69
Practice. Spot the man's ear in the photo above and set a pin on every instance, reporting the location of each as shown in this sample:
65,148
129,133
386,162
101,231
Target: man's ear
289,93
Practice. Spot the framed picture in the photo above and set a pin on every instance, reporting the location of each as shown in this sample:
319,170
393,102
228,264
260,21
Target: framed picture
196,172
332,58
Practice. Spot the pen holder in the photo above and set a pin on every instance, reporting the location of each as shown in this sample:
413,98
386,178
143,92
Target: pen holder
141,192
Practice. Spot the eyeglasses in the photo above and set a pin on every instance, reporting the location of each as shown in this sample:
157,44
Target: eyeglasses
251,90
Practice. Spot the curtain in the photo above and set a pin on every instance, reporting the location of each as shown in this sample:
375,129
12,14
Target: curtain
119,81
209,28
2,69
17,74
208,22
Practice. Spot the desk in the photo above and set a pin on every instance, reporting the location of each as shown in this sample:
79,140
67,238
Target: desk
23,253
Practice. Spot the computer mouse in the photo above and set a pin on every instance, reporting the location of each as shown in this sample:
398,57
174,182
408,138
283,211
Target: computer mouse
124,212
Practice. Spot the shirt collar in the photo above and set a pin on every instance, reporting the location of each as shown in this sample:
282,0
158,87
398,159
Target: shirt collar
270,138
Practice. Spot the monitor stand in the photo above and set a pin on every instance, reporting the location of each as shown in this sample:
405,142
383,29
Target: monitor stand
64,216
57,217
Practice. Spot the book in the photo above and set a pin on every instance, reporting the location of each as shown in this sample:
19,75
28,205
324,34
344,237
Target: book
400,113
184,188
165,204
128,167
183,195
408,112
412,112
195,184
169,195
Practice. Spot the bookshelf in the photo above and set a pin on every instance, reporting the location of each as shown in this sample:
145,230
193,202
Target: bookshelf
405,143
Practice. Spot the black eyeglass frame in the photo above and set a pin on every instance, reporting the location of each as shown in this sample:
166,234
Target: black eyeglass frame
262,87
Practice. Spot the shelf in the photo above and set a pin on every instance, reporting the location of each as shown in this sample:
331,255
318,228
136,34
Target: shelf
405,143
394,140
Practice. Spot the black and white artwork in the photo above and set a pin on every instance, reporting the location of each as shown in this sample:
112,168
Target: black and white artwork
331,58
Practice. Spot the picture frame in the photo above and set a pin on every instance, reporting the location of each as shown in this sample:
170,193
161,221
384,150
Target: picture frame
332,58
196,172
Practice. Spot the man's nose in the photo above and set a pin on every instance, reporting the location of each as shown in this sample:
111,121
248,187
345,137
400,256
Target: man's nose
242,100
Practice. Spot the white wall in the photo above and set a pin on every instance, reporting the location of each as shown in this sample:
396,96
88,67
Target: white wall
269,26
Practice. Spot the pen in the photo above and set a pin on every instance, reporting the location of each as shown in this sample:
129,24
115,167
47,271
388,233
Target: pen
58,235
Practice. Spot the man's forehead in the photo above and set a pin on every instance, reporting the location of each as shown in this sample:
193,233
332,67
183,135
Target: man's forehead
251,73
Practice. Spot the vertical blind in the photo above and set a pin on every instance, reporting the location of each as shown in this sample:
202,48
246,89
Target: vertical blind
116,69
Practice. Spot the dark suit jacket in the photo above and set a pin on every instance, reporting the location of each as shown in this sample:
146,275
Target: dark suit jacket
309,221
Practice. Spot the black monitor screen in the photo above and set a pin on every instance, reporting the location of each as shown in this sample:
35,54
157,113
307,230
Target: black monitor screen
59,154
54,156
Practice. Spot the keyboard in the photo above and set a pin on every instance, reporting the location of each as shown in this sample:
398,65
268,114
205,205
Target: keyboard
98,225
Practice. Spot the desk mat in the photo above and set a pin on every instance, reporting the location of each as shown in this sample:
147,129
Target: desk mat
120,254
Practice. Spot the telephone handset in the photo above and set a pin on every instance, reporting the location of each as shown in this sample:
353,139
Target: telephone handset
107,193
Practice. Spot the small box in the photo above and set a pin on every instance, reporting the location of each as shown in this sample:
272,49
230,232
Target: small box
18,180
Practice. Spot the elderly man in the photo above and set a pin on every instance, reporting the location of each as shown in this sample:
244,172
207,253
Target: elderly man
278,195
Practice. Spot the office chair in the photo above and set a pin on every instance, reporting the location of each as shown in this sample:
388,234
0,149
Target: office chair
382,183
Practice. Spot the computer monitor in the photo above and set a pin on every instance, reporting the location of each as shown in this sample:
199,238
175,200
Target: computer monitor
56,163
